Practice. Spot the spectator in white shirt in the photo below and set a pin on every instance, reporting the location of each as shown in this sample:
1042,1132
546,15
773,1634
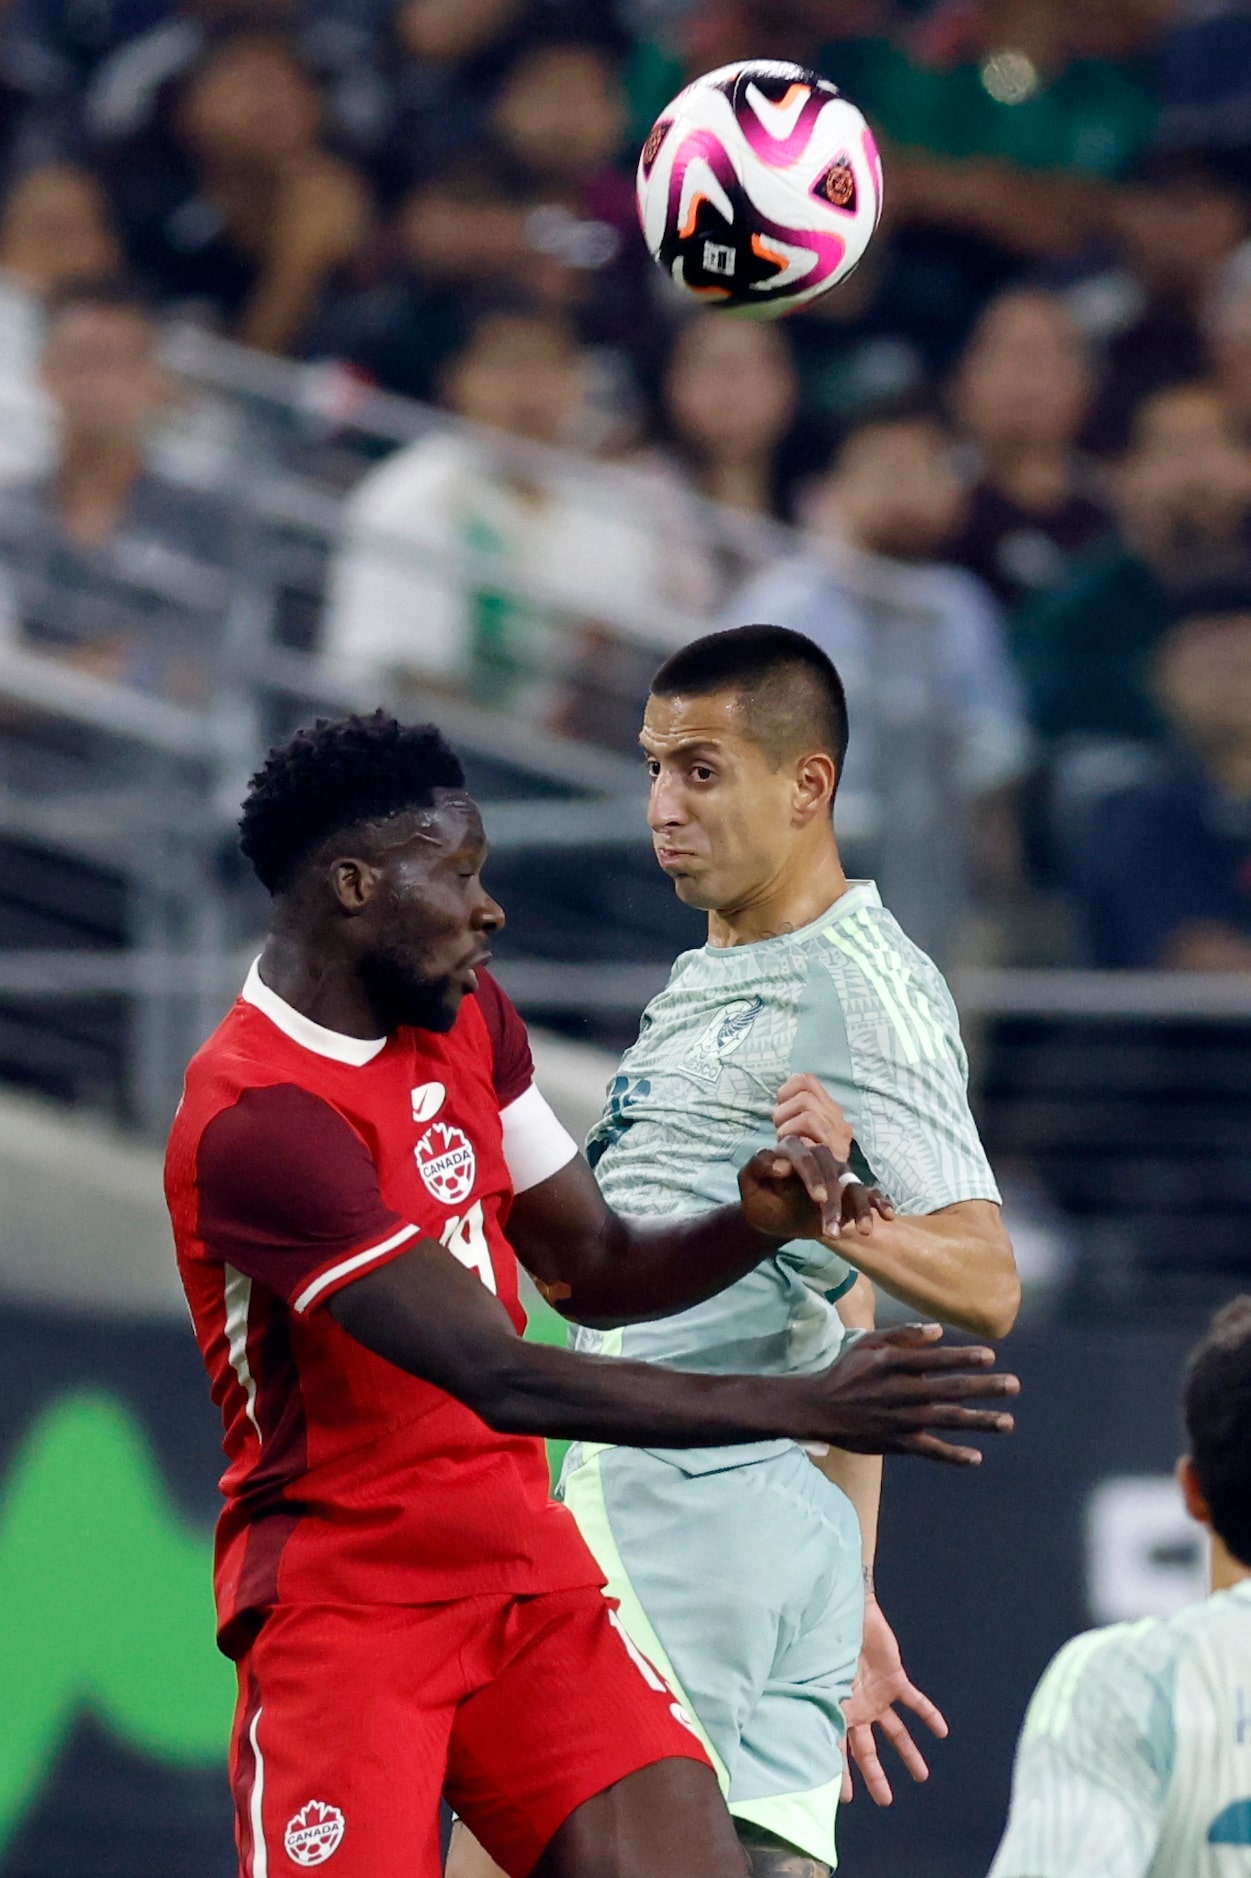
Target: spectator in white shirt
919,642
465,566
55,229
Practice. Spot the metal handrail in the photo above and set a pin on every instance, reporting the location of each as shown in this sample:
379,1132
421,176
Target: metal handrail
163,828
551,985
58,689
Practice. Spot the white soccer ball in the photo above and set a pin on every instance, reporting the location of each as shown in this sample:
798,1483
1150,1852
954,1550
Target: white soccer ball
759,187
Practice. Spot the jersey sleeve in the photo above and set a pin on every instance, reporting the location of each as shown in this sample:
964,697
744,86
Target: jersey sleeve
906,1066
512,1061
1094,1761
288,1195
536,1144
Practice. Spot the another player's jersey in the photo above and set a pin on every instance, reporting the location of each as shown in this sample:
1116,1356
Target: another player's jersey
299,1160
1135,1757
848,998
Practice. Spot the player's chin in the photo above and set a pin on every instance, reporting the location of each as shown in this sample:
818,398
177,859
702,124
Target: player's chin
445,1007
692,891
436,1006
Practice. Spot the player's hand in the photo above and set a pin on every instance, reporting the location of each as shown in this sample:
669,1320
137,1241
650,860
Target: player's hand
892,1388
806,1108
799,1190
881,1683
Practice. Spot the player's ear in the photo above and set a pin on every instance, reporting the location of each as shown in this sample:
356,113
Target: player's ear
353,883
815,777
1192,1492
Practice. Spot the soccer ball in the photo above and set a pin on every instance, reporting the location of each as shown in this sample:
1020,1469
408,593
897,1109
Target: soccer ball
759,187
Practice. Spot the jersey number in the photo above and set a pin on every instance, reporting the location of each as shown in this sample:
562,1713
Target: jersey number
465,1239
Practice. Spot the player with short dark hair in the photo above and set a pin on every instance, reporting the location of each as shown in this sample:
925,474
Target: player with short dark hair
742,1572
789,690
359,1160
1216,1409
1135,1757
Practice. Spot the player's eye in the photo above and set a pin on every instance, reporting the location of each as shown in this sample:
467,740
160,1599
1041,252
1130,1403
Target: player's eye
653,768
701,772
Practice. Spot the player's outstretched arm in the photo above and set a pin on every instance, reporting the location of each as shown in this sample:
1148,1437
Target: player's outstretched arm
604,1268
956,1262
890,1393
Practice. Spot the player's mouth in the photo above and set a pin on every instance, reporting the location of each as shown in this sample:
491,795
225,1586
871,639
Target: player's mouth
470,968
673,857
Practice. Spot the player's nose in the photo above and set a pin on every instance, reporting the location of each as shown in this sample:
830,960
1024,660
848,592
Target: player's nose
664,804
490,916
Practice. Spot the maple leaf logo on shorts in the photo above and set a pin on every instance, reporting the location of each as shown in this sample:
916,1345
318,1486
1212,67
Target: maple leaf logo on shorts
314,1834
447,1163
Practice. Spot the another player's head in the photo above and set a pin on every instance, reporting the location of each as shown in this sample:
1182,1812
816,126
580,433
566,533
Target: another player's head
745,734
372,851
1215,1473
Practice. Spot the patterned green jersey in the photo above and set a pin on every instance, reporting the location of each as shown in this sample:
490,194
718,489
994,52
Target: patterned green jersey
1135,1757
848,998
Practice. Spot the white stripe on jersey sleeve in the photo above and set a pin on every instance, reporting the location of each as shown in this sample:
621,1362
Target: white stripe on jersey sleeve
536,1144
238,1300
353,1264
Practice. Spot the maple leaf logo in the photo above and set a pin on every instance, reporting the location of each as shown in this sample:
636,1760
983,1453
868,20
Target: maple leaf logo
447,1163
314,1833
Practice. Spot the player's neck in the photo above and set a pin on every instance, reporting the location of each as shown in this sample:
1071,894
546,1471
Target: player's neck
799,893
328,993
1224,1570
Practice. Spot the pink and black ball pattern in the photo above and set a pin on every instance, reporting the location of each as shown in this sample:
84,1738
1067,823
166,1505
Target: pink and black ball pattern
718,237
730,261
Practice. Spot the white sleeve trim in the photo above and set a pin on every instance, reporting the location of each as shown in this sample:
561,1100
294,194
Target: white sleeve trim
357,1260
536,1144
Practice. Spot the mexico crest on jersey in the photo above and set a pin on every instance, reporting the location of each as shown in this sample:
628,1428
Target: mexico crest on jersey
447,1163
721,1038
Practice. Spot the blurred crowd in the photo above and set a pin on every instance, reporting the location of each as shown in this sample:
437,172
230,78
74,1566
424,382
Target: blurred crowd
1014,450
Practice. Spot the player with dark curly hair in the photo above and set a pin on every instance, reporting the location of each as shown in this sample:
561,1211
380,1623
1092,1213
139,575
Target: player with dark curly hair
359,1161
1135,1758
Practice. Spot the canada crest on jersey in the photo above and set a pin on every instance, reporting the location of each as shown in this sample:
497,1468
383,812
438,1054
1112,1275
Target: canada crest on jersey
313,1835
447,1163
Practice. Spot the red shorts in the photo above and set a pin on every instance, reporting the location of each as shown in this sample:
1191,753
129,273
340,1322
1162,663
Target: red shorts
353,1719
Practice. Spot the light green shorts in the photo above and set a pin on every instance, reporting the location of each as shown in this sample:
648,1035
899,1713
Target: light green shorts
743,1585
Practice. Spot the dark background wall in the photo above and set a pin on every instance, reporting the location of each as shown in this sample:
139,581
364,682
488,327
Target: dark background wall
116,1705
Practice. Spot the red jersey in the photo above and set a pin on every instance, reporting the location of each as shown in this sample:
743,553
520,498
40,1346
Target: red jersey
300,1159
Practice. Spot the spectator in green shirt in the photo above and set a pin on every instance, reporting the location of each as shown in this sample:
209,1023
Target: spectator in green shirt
1183,496
1001,120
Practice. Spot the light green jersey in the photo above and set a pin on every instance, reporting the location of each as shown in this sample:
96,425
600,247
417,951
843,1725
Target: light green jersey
848,998
1135,1757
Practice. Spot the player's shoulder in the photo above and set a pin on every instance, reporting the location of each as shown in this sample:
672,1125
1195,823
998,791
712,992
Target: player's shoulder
242,1051
1122,1665
860,929
1223,1618
881,976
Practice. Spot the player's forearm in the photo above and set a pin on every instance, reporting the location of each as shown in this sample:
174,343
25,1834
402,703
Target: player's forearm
426,1314
640,1269
552,1392
860,1477
956,1264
